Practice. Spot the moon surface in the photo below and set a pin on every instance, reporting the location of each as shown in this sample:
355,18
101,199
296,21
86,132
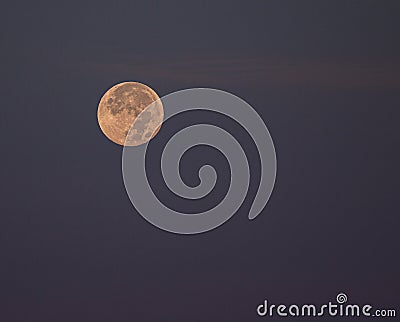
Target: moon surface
130,113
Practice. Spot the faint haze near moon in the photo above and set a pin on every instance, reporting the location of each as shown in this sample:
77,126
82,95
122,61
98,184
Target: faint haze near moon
201,70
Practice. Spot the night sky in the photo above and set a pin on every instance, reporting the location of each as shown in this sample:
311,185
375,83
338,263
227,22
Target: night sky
325,77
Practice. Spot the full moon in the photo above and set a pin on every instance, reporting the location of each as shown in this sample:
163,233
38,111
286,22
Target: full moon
130,113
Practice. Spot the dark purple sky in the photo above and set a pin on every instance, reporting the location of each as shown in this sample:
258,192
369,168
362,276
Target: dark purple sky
325,77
